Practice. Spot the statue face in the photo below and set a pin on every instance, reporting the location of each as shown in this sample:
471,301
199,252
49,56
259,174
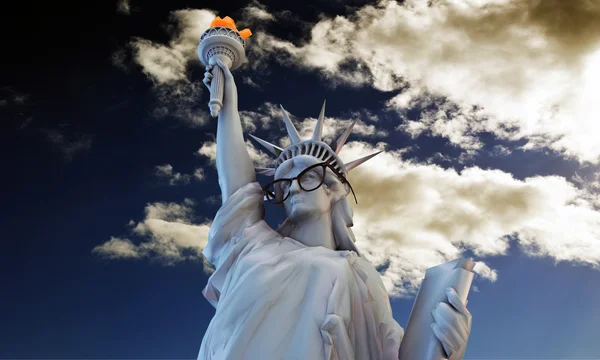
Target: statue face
301,205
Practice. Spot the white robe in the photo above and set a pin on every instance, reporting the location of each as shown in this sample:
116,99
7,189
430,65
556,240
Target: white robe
276,298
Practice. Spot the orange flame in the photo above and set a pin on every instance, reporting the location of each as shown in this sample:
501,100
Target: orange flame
228,22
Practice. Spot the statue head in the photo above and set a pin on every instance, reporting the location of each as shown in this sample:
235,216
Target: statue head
310,181
307,187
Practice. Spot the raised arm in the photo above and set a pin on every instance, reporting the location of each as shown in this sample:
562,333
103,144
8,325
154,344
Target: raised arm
234,165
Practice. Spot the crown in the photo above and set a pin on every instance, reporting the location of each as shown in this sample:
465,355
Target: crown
314,147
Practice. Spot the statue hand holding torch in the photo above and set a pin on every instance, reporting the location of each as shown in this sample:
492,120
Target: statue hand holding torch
224,43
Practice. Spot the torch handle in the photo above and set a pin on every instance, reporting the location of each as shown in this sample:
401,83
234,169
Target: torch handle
216,91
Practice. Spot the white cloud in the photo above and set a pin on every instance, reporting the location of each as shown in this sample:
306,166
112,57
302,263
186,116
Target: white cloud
591,186
117,248
528,66
213,200
500,150
167,63
181,100
257,11
438,158
68,145
260,119
412,216
161,63
119,59
209,150
168,234
333,127
443,118
166,66
199,174
13,98
324,52
124,7
248,81
483,270
166,172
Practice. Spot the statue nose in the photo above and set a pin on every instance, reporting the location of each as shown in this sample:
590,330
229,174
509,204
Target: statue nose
295,187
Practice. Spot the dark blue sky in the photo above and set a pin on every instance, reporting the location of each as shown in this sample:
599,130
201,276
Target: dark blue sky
79,151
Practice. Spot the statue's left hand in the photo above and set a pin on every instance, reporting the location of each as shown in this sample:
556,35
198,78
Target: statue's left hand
452,325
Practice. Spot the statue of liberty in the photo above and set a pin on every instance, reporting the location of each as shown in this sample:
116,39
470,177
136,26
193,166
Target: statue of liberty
302,291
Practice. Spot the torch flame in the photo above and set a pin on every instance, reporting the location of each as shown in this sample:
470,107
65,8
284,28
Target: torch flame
228,22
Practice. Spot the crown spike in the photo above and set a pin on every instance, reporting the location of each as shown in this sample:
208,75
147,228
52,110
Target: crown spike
318,133
342,139
274,149
354,164
291,130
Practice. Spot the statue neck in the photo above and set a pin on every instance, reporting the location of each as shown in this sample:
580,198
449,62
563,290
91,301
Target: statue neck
316,231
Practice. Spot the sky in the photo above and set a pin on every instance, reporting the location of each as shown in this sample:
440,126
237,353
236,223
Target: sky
486,112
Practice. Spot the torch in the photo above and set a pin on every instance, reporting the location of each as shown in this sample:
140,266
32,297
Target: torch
221,41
